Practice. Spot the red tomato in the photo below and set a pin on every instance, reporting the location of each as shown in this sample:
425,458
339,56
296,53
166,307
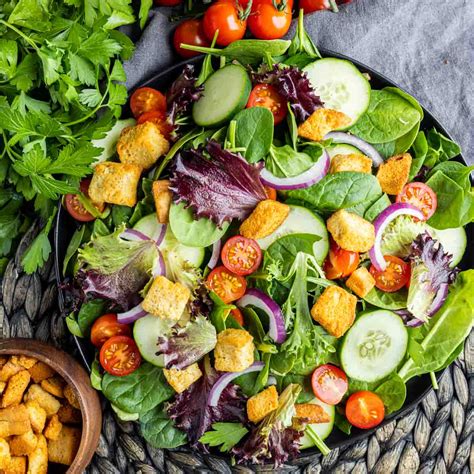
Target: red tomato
265,95
159,119
106,327
225,17
75,207
238,316
189,32
168,3
120,356
394,277
339,262
146,99
228,286
267,22
314,5
365,409
421,196
241,256
271,193
329,384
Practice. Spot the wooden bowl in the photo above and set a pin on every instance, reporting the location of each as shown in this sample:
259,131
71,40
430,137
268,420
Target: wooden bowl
74,374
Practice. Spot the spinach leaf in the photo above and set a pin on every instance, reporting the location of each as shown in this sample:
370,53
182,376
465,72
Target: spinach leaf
292,126
253,324
440,148
88,313
121,215
341,422
400,145
420,150
159,430
284,161
456,171
408,98
219,314
377,207
306,394
254,132
74,244
393,393
302,50
139,392
381,299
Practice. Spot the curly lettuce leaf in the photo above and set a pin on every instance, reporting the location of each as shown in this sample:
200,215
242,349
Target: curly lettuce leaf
400,234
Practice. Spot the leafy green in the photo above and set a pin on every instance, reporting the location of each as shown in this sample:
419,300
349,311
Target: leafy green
225,435
377,207
400,234
284,161
88,313
382,299
158,430
393,393
73,246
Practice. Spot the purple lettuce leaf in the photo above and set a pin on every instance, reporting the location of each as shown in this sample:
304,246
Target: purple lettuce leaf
221,188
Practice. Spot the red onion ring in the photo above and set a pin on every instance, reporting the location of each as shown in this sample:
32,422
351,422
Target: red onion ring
131,315
363,146
159,268
134,235
216,253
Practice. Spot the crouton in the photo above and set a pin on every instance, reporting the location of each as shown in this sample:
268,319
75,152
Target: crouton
41,371
265,219
180,380
53,428
63,450
166,299
54,386
260,405
17,465
162,196
14,421
3,385
351,232
25,361
69,415
22,445
71,397
115,183
351,162
9,369
142,145
45,400
335,310
16,386
38,459
234,350
37,416
321,122
393,174
360,281
311,412
5,455
3,361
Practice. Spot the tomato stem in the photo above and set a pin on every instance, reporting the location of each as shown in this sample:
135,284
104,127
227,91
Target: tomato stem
333,6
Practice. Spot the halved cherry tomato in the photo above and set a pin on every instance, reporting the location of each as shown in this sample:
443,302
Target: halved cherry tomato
238,316
106,327
241,256
394,277
159,119
189,32
271,193
267,22
365,409
265,95
146,99
329,384
421,196
226,17
339,262
168,3
75,207
228,286
120,356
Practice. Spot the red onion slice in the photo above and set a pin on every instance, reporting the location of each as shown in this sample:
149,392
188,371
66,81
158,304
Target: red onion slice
262,301
159,268
224,380
131,315
216,253
381,223
438,299
160,234
363,146
303,180
132,234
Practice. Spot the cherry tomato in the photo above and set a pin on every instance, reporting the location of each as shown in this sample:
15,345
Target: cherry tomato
394,277
365,409
225,17
159,119
106,327
241,256
339,262
238,316
120,356
267,22
228,286
189,32
168,3
314,5
271,193
75,207
265,95
421,196
329,384
146,99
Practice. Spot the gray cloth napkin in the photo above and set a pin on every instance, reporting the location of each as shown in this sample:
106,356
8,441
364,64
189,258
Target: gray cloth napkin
425,46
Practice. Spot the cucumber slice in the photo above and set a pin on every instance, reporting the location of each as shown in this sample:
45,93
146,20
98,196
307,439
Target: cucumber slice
374,346
225,93
109,142
301,221
454,241
342,150
322,429
340,85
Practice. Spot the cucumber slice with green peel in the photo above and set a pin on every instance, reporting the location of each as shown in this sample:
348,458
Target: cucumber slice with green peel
322,429
340,85
301,221
225,93
109,142
374,346
454,241
342,150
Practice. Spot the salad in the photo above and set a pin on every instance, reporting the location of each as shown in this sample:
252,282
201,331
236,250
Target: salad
268,252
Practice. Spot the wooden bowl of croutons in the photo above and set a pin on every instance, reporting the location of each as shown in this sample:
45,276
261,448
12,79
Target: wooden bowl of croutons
50,416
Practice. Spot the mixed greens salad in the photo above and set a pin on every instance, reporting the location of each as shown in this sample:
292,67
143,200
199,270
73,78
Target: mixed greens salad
268,252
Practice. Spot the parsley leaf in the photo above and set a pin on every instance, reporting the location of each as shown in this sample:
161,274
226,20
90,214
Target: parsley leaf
225,434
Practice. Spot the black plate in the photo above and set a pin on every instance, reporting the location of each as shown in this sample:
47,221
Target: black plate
417,387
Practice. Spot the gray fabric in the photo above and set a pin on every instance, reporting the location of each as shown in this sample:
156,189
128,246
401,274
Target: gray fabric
425,46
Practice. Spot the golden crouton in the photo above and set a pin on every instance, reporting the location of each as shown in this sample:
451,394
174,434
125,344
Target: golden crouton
234,350
25,361
142,145
351,232
54,386
53,428
22,445
9,369
3,361
393,174
3,385
260,405
5,455
41,371
69,415
352,162
360,281
265,219
311,412
17,465
63,450
38,459
166,299
37,416
71,397
335,310
115,183
16,386
180,380
321,122
45,400
14,421
162,196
